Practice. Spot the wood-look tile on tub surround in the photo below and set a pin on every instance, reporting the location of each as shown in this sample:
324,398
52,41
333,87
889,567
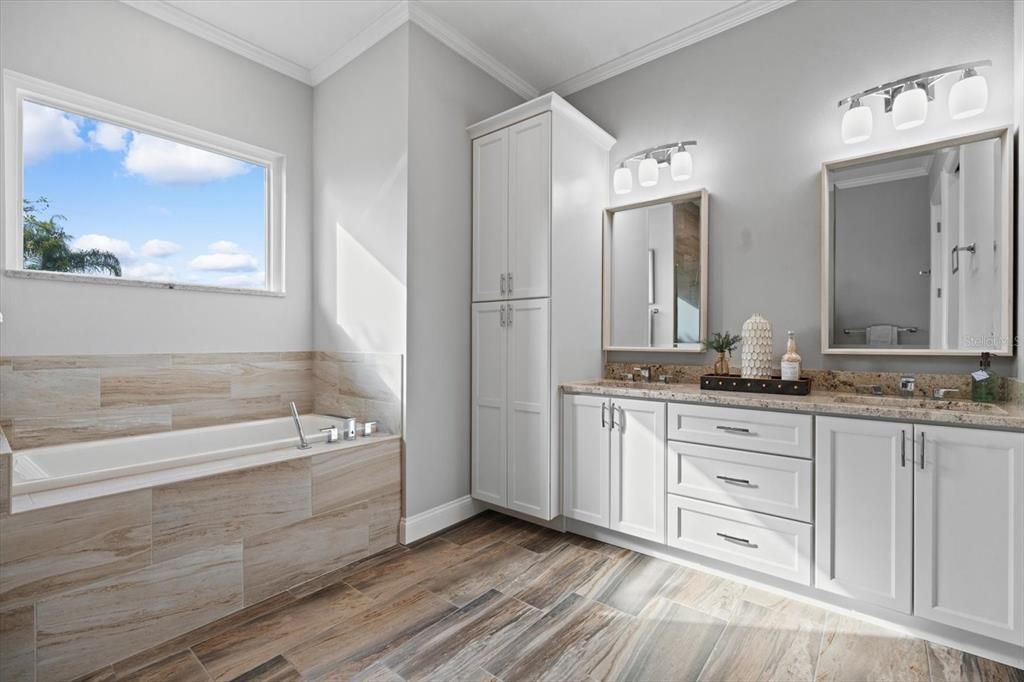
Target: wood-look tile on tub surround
85,584
828,380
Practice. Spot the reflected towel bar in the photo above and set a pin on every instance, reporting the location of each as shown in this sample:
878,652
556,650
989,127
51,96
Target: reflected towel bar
862,330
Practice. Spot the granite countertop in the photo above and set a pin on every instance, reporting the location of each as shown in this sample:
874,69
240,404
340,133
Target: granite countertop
1008,416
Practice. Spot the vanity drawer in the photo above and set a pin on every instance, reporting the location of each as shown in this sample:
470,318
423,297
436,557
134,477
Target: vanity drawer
750,480
779,547
779,433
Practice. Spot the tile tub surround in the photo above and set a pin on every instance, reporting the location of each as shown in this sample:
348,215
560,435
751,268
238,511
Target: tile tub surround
365,385
48,400
1010,416
88,583
824,380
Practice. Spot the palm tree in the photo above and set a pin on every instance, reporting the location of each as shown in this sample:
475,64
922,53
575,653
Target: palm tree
47,245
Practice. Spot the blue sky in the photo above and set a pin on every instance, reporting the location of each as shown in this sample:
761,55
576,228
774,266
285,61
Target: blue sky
167,210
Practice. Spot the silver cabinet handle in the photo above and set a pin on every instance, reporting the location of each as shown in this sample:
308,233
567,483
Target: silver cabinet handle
502,315
502,279
733,429
903,448
613,415
510,283
740,541
510,313
604,408
736,481
922,451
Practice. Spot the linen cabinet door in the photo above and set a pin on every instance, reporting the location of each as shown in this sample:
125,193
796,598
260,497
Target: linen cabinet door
638,468
863,525
530,465
489,403
585,458
969,530
490,216
529,208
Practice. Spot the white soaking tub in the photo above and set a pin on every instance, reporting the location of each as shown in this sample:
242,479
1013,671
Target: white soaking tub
62,473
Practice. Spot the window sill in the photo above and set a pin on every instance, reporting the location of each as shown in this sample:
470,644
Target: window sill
146,284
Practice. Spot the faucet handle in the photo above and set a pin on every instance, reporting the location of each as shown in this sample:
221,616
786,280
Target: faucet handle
941,393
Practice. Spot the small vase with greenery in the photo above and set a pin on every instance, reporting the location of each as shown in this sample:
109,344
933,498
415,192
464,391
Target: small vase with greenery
724,345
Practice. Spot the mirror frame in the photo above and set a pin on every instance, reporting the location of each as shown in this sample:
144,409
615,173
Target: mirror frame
609,213
1005,136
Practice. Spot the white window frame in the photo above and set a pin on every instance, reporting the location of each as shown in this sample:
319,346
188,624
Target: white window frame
18,87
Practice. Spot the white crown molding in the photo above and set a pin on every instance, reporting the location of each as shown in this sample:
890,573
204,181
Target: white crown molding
218,36
397,15
713,25
465,47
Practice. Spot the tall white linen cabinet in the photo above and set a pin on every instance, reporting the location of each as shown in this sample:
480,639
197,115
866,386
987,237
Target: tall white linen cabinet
540,184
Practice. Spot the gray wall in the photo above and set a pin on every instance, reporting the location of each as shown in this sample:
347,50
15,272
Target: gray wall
760,99
882,240
112,51
446,94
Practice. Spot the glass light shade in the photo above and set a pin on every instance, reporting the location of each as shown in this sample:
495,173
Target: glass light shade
622,180
968,97
647,173
910,109
857,124
681,165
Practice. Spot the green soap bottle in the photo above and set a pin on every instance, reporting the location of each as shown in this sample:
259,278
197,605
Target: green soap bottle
985,382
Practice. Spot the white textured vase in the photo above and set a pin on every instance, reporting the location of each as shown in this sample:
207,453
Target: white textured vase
757,348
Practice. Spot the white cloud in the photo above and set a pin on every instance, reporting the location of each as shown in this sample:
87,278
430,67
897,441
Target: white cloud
118,247
163,161
224,246
253,280
109,137
149,271
224,262
47,131
159,248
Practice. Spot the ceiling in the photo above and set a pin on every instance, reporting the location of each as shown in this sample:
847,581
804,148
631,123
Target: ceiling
532,46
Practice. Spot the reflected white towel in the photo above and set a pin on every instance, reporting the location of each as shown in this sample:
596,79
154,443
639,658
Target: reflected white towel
882,335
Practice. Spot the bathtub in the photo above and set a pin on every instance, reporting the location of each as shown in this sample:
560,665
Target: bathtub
62,473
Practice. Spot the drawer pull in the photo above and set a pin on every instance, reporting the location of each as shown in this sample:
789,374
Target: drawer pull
733,429
739,541
736,481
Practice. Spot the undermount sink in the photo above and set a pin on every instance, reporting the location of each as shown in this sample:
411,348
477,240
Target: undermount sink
919,403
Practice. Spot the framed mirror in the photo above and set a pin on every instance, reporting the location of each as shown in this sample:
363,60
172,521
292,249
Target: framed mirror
655,274
917,249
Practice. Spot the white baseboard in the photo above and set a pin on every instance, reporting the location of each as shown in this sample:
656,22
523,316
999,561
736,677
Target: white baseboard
437,519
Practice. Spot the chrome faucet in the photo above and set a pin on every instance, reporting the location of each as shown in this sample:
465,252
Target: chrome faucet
303,443
644,373
941,393
873,389
907,386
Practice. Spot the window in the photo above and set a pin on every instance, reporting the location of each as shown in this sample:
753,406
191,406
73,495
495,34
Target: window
110,194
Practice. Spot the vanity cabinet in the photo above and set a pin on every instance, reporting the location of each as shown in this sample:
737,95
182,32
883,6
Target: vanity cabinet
540,179
923,519
512,211
614,454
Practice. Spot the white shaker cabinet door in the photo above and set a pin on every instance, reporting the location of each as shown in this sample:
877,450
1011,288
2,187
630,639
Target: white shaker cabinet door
969,530
638,468
490,216
863,516
585,460
489,403
529,405
529,208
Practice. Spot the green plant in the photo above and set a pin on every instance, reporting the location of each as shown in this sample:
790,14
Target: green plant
48,247
722,343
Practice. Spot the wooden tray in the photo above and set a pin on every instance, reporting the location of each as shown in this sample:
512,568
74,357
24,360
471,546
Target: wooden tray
774,385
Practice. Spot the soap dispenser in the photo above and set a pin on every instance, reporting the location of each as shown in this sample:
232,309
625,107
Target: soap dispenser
985,382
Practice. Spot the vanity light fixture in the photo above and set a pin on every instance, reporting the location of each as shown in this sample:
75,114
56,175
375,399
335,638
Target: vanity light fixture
674,155
907,99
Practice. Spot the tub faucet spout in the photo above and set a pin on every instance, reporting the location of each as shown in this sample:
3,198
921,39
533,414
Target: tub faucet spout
303,443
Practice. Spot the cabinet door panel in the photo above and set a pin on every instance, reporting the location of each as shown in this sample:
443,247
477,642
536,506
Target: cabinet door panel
638,469
863,514
529,207
490,215
969,530
586,446
490,404
529,404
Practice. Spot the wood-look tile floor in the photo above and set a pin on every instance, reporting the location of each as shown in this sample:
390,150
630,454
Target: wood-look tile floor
499,599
